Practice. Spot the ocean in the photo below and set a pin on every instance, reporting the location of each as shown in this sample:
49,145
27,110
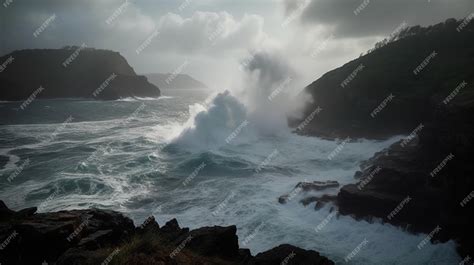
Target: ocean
201,159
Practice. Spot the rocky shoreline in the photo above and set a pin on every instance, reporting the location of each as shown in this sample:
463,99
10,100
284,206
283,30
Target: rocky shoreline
96,236
424,182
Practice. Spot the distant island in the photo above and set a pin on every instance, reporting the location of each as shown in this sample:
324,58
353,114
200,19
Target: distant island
175,81
70,72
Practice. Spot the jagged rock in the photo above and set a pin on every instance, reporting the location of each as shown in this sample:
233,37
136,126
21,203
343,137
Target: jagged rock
171,226
317,185
43,237
245,255
319,205
293,255
283,199
358,175
324,199
380,203
308,186
215,241
173,232
149,226
320,201
414,170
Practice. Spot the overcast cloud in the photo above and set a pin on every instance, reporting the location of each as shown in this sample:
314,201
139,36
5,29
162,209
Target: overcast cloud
362,18
214,36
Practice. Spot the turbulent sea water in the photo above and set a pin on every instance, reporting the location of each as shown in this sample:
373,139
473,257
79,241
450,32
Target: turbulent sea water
167,158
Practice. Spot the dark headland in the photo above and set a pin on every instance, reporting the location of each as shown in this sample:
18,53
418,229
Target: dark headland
419,84
70,72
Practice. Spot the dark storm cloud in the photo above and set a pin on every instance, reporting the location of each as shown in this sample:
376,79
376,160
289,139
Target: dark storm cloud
75,22
361,18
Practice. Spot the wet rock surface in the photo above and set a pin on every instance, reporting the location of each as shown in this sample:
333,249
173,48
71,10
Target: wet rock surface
317,185
320,201
306,187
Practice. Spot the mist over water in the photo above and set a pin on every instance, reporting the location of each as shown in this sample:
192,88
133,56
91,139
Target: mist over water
259,106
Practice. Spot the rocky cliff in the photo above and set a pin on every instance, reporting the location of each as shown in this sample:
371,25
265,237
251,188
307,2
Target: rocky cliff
72,72
106,237
420,85
393,88
425,180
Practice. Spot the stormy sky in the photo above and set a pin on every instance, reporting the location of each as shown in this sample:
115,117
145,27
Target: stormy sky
213,37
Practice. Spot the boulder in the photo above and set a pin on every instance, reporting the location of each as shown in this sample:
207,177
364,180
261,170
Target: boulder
306,187
320,200
317,185
215,241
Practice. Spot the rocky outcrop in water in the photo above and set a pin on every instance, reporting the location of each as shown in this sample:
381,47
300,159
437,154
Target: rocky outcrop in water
73,72
424,181
306,187
101,237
